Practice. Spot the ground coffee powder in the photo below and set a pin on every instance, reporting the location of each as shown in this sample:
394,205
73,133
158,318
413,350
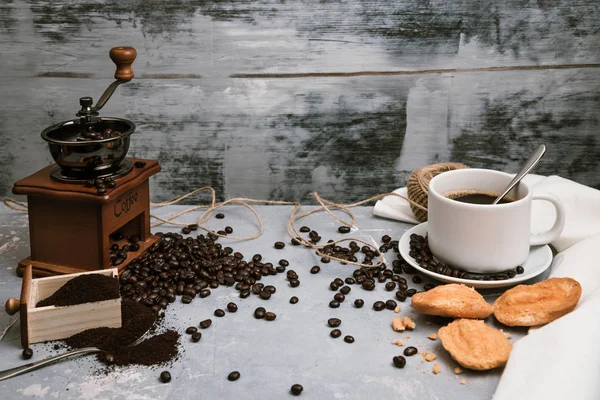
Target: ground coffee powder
83,289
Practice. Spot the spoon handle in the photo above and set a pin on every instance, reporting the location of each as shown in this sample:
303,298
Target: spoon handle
531,162
9,373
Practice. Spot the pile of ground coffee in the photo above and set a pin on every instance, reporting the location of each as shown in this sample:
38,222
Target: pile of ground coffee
137,319
88,288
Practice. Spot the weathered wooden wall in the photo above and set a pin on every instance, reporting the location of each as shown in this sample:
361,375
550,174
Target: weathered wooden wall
278,98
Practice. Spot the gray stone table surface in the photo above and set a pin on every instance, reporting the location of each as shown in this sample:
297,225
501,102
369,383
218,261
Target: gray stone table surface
271,356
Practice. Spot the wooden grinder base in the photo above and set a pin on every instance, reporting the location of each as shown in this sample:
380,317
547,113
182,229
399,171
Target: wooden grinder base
70,224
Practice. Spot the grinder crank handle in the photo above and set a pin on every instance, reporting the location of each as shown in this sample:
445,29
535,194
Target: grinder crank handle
9,373
123,57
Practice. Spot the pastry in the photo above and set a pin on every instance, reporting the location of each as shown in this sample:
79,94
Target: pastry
475,345
453,300
537,304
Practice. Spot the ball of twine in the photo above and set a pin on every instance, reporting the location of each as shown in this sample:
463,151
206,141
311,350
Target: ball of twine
418,184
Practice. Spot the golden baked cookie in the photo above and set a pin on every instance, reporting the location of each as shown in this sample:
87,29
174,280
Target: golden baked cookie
537,304
475,345
453,300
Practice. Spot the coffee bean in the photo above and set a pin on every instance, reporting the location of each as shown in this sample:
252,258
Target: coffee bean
233,376
284,263
294,283
349,339
232,307
270,316
270,288
191,329
386,238
368,284
296,389
27,353
185,230
315,269
265,295
345,290
334,286
350,281
244,294
410,351
204,293
325,259
378,306
519,270
417,279
186,299
399,361
256,258
344,229
219,313
358,303
391,305
334,322
293,300
334,304
280,268
193,227
165,377
428,286
220,216
279,245
259,313
410,292
390,286
109,358
335,333
196,336
206,323
339,297
304,229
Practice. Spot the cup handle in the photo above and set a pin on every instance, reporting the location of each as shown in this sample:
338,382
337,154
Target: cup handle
559,223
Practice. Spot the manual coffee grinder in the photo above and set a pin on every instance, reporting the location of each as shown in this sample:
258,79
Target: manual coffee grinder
91,210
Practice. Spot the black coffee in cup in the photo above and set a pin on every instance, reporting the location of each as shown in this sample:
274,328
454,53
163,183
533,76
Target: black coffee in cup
477,197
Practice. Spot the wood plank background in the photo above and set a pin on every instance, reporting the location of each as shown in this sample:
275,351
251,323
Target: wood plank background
274,99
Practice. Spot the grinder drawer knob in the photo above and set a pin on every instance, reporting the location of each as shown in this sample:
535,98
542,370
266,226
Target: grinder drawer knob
12,306
123,57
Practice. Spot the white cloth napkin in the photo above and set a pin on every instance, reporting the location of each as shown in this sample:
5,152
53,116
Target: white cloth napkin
561,359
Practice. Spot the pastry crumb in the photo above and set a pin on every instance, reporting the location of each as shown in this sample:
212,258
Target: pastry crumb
398,342
432,336
408,323
436,369
397,310
508,335
463,382
429,357
401,324
458,371
408,336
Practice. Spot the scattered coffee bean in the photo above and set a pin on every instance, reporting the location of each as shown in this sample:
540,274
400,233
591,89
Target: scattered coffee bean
27,353
378,306
185,230
390,286
304,229
338,281
264,295
335,333
334,286
228,229
401,295
358,303
196,336
334,322
56,347
270,288
391,305
294,283
428,286
259,313
334,304
280,268
279,245
410,351
204,293
191,329
345,290
219,313
165,377
220,216
233,376
193,227
399,361
315,269
410,292
417,279
349,339
325,259
344,229
244,294
293,300
296,241
368,284
339,297
232,307
386,239
270,316
520,270
350,281
296,389
206,323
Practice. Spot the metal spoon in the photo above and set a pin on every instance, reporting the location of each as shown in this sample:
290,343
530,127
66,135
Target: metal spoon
531,162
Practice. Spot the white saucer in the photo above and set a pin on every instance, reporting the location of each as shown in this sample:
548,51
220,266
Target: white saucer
539,259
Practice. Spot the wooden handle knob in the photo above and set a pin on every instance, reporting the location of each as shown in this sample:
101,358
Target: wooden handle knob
12,306
123,57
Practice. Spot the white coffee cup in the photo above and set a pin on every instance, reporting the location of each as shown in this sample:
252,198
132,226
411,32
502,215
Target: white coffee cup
484,238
